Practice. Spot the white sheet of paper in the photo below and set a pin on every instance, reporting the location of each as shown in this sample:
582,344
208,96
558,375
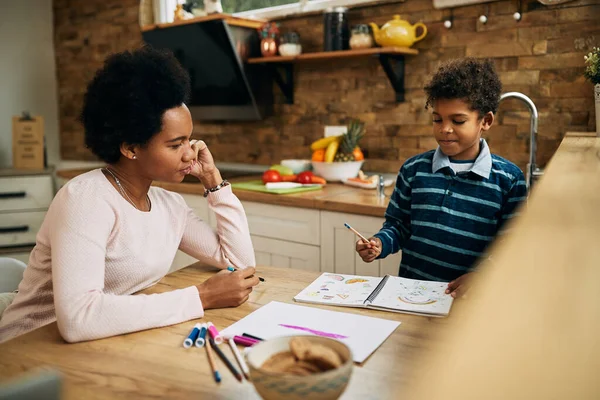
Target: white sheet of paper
361,333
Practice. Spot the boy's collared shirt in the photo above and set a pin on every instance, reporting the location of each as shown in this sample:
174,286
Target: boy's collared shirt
482,165
443,221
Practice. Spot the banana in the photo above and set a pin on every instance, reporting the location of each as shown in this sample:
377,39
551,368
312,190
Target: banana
324,142
332,148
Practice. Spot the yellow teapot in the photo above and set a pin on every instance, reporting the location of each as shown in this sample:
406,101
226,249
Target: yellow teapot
398,33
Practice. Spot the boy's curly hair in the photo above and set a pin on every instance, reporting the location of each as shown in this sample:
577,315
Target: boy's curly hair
473,80
127,98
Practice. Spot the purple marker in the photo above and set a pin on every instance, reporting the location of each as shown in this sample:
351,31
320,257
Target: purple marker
242,340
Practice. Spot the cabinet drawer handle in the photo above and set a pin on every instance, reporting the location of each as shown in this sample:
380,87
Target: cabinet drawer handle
8,195
13,229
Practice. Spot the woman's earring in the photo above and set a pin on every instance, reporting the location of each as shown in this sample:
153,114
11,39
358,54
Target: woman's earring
134,157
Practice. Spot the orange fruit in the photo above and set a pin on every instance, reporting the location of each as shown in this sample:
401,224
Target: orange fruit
318,155
358,154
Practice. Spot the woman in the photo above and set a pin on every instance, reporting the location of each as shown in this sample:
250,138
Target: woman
108,233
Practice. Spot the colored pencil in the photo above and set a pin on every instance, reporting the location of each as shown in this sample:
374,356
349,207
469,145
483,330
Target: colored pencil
223,357
356,232
239,358
211,361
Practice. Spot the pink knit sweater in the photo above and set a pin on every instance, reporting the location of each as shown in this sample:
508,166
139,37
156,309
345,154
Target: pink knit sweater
94,249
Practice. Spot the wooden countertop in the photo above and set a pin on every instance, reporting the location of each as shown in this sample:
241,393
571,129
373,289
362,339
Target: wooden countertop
333,197
531,326
153,363
10,172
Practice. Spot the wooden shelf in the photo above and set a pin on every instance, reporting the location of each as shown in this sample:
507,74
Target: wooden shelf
391,59
322,55
230,19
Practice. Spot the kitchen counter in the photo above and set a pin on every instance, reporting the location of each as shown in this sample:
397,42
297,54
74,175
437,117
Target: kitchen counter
333,197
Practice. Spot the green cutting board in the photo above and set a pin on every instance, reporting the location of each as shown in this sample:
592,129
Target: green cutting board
258,186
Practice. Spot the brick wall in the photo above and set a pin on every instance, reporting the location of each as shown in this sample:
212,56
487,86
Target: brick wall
541,56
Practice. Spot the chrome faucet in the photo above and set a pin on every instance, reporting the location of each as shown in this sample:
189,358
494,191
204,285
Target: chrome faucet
532,169
380,186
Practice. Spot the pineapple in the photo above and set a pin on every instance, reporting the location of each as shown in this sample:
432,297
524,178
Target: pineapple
356,131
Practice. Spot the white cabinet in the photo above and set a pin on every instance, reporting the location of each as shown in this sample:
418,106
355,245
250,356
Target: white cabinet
281,253
24,200
287,237
21,193
293,224
338,245
300,238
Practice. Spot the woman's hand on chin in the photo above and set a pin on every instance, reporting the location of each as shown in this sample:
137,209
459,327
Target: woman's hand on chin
203,166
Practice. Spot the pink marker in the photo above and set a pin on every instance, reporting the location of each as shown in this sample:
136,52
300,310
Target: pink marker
245,341
214,333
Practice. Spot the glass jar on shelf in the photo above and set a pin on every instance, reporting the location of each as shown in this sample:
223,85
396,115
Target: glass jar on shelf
361,37
289,44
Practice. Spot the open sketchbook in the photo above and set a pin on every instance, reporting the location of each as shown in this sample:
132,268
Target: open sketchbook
390,293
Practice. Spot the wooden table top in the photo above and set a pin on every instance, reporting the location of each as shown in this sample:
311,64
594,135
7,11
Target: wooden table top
153,363
333,197
531,326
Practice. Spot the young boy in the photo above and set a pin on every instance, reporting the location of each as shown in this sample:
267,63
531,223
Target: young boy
450,203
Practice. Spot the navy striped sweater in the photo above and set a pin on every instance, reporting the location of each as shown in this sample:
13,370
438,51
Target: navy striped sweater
442,221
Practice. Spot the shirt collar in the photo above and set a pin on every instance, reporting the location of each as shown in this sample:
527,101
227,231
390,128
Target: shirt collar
482,165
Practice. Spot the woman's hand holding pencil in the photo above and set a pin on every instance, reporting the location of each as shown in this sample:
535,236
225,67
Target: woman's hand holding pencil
227,289
368,249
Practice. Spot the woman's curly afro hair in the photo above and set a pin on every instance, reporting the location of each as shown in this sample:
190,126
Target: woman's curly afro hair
473,80
127,98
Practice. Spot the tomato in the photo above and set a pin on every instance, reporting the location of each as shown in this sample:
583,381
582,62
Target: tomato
271,175
304,177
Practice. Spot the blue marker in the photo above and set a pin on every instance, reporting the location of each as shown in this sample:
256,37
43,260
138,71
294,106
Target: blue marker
230,268
189,341
201,340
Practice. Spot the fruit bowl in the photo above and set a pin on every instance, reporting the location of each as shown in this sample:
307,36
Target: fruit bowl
337,171
297,166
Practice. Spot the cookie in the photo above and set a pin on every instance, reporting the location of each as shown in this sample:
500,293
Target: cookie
299,347
305,358
323,356
279,362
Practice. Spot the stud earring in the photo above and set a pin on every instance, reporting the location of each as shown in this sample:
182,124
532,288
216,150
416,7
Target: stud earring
134,157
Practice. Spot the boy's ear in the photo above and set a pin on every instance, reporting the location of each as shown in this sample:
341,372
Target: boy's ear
488,120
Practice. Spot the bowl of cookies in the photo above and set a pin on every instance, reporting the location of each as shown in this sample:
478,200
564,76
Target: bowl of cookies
300,367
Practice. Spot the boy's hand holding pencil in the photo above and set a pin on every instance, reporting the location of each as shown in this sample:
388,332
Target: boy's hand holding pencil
368,249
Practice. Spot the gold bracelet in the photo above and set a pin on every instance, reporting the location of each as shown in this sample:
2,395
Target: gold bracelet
214,189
